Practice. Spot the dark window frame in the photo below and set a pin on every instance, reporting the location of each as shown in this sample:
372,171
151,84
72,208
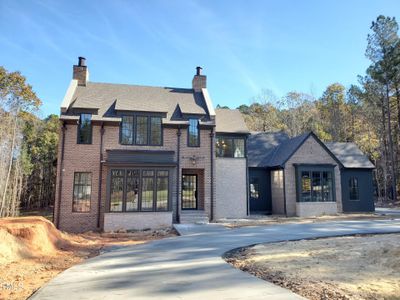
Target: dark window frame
79,128
354,188
198,133
148,130
310,169
140,186
232,142
73,193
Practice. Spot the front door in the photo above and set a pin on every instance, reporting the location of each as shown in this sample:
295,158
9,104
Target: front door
189,191
260,201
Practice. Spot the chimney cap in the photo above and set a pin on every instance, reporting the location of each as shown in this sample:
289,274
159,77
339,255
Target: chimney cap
81,61
198,70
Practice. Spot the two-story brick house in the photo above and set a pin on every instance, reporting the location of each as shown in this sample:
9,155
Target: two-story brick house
136,157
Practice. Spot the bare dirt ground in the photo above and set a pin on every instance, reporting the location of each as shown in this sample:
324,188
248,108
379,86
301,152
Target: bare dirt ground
33,251
276,219
357,267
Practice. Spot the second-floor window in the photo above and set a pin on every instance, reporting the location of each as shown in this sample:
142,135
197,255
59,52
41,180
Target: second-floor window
85,129
230,147
141,130
193,133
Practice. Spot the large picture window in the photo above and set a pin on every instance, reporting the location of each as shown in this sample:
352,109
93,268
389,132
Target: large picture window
139,190
230,147
353,189
145,131
315,185
82,192
85,129
193,133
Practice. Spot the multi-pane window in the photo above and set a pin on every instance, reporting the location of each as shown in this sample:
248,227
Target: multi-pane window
146,131
132,190
141,130
230,147
353,189
147,190
117,190
82,192
139,190
162,190
155,131
85,129
193,133
127,124
316,186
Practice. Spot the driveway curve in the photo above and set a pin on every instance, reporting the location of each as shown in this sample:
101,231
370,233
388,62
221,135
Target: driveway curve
190,266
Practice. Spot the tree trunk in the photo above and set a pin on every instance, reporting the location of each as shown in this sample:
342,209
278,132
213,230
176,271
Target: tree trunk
391,152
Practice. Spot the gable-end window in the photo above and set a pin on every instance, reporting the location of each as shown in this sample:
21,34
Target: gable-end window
155,131
193,133
82,192
85,129
315,185
353,189
230,147
141,130
127,130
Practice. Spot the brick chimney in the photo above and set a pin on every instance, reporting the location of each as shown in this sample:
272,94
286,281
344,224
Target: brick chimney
81,72
199,81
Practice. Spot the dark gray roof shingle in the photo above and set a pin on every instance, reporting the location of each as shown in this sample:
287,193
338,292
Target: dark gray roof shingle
350,155
261,145
109,96
230,121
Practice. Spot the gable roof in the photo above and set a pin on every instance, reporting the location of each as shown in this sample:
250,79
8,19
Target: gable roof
109,97
261,145
230,121
350,155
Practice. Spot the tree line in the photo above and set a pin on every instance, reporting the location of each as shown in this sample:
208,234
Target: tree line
28,148
366,113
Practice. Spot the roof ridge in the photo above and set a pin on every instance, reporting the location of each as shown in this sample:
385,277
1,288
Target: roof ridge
141,85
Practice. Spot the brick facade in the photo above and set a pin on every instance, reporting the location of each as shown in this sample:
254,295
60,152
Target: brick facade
310,152
86,158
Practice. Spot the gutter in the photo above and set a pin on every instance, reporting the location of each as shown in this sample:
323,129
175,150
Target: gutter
102,130
212,173
63,128
247,182
284,191
178,150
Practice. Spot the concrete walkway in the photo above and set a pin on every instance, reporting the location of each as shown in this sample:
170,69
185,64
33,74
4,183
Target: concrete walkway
190,266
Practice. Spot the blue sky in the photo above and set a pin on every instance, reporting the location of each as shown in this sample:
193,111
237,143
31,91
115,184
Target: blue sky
243,46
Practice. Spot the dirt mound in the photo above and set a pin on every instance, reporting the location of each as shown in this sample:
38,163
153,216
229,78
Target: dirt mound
29,237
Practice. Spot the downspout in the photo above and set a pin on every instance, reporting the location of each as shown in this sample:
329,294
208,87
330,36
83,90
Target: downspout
100,175
178,149
212,173
284,191
247,182
63,128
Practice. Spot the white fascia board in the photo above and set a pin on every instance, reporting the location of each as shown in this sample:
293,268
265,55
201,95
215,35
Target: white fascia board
68,95
210,106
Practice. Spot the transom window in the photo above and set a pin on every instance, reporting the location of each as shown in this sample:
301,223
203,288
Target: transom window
353,189
230,147
193,133
85,129
315,186
139,190
141,130
82,192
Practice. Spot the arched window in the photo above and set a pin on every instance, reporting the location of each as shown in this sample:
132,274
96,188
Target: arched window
353,189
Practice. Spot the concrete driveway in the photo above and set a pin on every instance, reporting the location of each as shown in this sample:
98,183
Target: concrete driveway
190,266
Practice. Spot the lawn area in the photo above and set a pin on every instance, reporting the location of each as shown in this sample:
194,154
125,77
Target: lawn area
356,267
33,251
